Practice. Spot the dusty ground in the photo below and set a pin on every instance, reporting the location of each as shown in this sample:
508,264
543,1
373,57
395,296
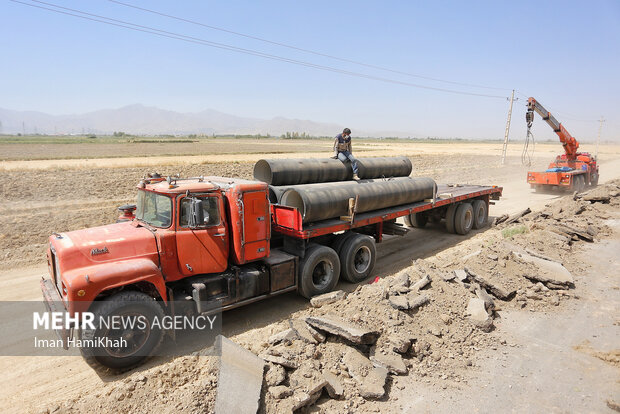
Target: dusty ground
37,195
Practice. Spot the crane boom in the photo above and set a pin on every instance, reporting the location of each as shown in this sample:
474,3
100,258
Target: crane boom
569,143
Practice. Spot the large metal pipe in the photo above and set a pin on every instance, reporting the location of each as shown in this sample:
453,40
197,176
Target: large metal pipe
317,203
276,191
315,170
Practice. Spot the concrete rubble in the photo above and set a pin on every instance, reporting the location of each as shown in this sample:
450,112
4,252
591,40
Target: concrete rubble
287,335
497,290
306,332
393,362
548,271
478,314
327,298
239,369
286,363
338,326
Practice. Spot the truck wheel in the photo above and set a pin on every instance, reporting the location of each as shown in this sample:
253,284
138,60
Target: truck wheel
319,271
340,240
594,179
450,217
577,183
357,258
140,343
481,214
417,220
464,218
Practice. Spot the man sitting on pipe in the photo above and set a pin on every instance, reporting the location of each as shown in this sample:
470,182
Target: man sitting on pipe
343,150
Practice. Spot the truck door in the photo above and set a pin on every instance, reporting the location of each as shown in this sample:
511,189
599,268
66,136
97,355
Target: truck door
205,249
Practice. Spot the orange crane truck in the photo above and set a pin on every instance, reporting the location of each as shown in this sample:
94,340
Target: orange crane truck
219,241
572,170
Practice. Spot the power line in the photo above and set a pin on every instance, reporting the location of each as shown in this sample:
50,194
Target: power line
564,115
303,49
190,39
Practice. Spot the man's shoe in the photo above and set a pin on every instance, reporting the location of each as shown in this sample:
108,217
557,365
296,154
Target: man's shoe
355,177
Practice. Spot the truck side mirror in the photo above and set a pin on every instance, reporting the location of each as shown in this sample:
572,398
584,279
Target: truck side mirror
197,215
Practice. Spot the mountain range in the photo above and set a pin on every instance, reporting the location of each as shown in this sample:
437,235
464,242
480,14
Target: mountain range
138,119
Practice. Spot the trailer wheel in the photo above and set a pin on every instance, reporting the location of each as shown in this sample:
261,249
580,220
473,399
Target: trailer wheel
417,220
340,240
463,218
140,343
450,217
481,214
357,258
319,271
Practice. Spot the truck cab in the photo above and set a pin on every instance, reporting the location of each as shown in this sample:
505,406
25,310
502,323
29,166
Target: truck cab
202,240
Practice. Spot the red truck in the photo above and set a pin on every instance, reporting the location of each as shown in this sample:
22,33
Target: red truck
572,170
219,240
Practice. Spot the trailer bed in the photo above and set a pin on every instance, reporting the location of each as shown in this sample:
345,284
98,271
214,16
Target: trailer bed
288,220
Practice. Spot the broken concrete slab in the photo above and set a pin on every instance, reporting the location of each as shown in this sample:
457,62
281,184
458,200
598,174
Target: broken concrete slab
489,304
415,301
373,385
333,385
399,343
547,271
275,375
399,302
460,274
306,332
302,399
327,298
497,291
421,283
338,326
286,363
280,391
448,276
401,280
357,364
394,363
316,386
287,335
239,369
478,314
541,256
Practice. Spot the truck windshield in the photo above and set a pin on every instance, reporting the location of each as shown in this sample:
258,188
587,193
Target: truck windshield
154,209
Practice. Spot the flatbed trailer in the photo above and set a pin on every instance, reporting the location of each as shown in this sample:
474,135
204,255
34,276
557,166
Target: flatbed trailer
288,221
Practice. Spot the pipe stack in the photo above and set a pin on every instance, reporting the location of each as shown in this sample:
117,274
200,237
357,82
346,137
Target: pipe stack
321,188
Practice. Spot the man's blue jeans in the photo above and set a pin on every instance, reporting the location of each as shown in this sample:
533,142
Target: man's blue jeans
346,155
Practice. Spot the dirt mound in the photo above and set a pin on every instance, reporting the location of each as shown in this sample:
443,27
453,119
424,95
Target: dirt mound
431,321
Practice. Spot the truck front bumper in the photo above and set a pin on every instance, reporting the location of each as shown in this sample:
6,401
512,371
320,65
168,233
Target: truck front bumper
53,302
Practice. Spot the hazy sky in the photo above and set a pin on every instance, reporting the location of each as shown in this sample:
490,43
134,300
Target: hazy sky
564,53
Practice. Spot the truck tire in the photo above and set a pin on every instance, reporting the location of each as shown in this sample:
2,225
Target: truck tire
357,258
450,217
582,182
594,179
340,239
141,343
319,271
463,218
481,214
417,220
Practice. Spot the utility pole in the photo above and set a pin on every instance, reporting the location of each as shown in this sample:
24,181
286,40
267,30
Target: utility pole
598,139
512,99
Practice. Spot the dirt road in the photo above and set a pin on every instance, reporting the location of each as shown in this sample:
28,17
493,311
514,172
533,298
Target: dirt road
30,383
